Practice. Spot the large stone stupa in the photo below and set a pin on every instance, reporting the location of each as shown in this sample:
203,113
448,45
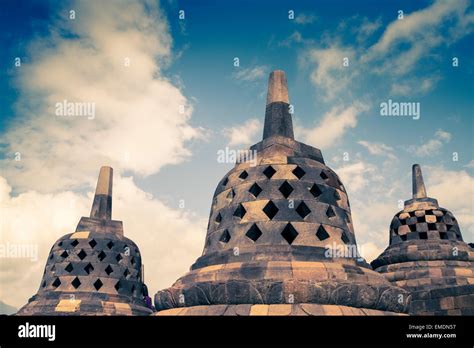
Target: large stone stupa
428,257
271,222
95,270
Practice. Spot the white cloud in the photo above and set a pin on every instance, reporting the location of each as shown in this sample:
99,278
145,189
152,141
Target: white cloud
246,134
365,29
432,146
332,126
378,149
169,240
356,175
455,192
133,103
470,164
250,74
421,31
329,74
138,128
305,18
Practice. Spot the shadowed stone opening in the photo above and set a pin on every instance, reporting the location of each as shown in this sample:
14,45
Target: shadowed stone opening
269,172
243,175
108,270
225,237
315,191
240,211
98,284
101,255
254,233
299,172
321,233
82,254
303,210
330,212
270,210
289,233
56,283
76,283
93,243
255,190
89,268
286,189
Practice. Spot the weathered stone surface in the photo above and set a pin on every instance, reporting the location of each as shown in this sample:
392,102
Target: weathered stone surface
428,257
280,234
94,271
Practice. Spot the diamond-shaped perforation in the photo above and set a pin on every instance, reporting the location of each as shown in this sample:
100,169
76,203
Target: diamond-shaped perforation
344,238
315,191
225,181
110,244
118,286
98,284
64,254
269,172
299,172
102,255
321,233
254,233
56,283
118,257
92,243
240,211
270,210
323,175
89,268
218,218
82,254
225,237
337,196
69,268
231,194
126,273
303,210
255,190
74,243
423,235
76,283
108,270
286,189
243,175
330,212
289,233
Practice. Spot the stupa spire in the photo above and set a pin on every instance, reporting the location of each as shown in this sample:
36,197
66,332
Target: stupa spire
102,205
277,114
419,190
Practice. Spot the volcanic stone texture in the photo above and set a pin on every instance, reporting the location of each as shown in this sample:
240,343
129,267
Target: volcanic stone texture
269,229
94,271
428,257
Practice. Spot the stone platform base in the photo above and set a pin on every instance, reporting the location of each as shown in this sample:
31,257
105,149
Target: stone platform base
300,309
84,307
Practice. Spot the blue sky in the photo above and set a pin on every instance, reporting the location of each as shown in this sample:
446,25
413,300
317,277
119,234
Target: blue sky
163,157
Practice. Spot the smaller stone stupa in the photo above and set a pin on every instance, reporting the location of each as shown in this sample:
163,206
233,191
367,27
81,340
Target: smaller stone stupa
428,257
95,270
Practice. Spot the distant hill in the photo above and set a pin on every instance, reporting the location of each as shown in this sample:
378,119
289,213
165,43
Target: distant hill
7,309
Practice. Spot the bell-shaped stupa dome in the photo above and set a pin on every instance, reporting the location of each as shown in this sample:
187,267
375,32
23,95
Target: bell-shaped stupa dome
95,270
280,238
428,257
